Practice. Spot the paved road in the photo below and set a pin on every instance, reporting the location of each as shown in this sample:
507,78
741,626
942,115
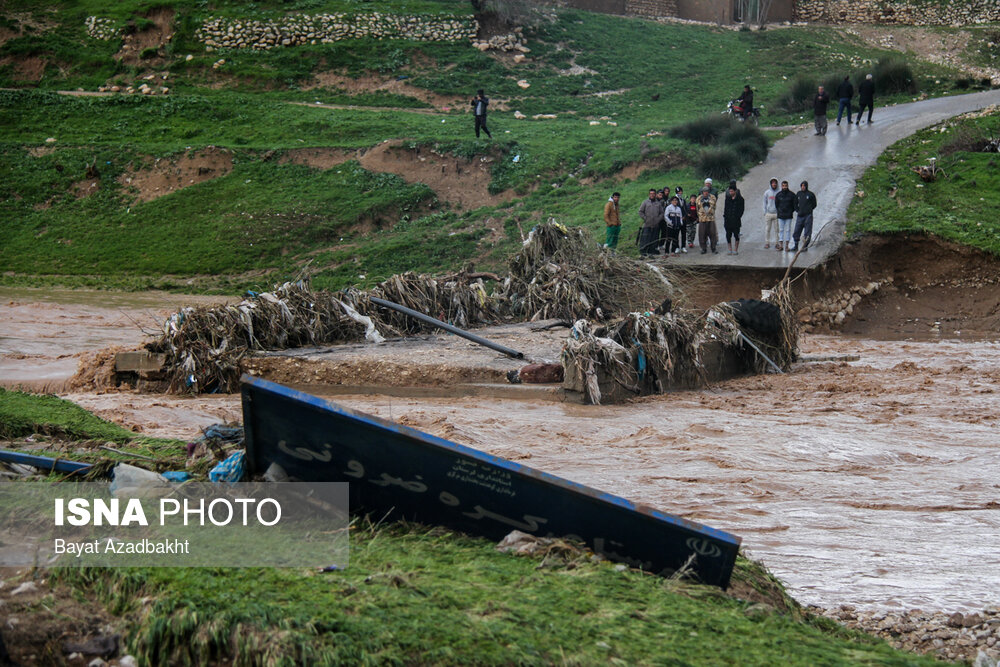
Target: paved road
832,164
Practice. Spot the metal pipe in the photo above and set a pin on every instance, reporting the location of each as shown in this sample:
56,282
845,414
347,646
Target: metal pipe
44,462
447,327
766,358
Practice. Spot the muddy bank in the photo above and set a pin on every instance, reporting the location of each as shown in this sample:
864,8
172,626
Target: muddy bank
930,289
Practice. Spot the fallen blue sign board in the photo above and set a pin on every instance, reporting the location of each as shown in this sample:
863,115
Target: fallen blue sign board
400,471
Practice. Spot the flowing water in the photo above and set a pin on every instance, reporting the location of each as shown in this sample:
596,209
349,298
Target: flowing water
873,482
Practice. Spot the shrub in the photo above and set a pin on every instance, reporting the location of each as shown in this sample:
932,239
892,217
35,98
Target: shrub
740,133
893,75
749,150
719,163
705,131
969,139
798,97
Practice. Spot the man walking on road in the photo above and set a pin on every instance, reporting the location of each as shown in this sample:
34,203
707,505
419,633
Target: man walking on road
866,98
784,206
706,221
770,214
820,103
845,92
613,220
805,204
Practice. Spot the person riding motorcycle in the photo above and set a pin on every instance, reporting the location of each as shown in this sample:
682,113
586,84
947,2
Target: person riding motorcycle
745,101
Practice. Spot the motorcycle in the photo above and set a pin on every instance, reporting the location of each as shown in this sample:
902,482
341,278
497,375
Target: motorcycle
735,110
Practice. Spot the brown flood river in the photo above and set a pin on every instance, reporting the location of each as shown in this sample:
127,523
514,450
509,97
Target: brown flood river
874,483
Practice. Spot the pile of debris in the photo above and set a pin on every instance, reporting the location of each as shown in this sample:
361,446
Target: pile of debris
558,273
654,352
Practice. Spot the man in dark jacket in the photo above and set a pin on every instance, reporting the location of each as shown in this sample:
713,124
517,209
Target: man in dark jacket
479,104
651,212
805,204
732,217
845,92
866,98
784,206
820,102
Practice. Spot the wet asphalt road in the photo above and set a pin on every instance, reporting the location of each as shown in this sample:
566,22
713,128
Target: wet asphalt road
832,164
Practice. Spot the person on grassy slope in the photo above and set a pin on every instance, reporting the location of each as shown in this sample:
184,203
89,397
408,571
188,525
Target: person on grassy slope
866,97
479,104
770,214
784,207
613,221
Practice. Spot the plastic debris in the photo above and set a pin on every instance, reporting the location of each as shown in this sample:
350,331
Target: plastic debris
230,470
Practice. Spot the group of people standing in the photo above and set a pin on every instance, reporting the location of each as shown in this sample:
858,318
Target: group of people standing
845,95
670,222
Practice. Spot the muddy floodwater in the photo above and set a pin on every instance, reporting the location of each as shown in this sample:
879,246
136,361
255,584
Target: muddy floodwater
874,482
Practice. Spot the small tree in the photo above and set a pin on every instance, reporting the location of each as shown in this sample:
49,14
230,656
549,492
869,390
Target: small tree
752,11
511,12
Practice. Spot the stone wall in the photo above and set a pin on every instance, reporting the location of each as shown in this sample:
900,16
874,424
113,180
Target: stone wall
651,7
326,28
954,12
233,33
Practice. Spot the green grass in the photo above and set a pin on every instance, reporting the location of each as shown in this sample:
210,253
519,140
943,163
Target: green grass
345,223
23,414
960,207
47,417
418,595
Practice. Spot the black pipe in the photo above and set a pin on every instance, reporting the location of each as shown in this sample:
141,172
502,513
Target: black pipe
447,327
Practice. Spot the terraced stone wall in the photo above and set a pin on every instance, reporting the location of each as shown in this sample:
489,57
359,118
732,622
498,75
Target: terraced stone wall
956,12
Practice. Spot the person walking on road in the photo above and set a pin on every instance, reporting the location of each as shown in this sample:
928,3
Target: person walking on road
784,207
706,221
479,104
732,217
770,214
805,204
845,93
820,102
650,212
613,221
866,98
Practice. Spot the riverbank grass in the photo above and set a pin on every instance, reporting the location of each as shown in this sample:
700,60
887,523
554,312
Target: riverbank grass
960,205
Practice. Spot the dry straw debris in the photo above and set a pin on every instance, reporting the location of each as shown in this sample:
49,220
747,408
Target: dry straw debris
557,273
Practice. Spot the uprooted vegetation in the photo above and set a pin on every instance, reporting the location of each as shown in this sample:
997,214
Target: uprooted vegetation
557,274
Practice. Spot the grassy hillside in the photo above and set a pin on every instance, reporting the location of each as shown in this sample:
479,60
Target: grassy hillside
266,219
960,205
